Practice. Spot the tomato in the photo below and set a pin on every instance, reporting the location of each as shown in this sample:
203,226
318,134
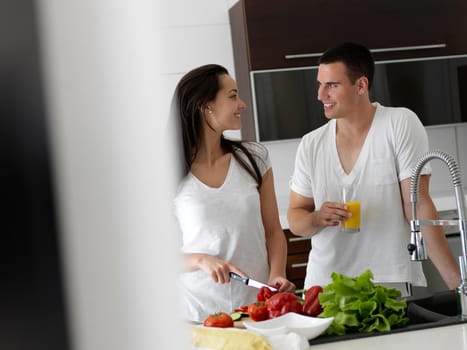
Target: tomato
258,311
219,319
242,308
282,303
311,305
264,294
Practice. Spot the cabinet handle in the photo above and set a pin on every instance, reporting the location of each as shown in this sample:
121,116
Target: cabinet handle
303,55
297,239
386,49
298,265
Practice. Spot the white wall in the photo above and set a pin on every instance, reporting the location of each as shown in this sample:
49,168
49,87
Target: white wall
196,33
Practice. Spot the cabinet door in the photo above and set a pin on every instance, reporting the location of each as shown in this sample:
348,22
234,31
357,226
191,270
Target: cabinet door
294,33
298,249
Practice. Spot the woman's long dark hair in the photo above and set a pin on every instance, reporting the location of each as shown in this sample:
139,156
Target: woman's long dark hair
194,91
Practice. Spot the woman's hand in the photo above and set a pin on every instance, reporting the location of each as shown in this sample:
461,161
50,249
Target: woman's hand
217,268
282,284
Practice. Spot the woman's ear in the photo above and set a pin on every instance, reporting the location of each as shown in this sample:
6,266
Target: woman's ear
205,110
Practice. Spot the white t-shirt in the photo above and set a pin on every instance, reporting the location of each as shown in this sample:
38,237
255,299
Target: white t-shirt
224,222
395,142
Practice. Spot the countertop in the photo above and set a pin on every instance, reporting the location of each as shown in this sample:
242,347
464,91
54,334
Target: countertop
452,337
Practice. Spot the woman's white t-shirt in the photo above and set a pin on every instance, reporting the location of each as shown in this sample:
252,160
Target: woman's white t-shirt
224,222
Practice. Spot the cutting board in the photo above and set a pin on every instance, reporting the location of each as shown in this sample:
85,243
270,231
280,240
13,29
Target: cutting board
239,323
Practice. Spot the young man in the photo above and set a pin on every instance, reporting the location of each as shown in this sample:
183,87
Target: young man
374,148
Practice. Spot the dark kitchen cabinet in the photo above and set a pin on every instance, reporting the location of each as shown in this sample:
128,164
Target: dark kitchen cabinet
297,257
276,31
278,35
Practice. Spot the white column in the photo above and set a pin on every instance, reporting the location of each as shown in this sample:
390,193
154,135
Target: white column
114,171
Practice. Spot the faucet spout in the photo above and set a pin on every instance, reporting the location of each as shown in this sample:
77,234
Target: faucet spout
416,246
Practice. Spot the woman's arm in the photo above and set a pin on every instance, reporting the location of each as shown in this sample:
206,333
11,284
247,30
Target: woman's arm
275,238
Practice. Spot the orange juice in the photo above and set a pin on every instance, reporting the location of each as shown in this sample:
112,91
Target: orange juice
352,224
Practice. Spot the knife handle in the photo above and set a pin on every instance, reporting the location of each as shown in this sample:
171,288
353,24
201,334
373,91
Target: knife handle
237,277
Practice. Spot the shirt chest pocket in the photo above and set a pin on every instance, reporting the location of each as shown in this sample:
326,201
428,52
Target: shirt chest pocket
385,171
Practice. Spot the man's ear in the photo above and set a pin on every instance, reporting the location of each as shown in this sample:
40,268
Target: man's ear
362,84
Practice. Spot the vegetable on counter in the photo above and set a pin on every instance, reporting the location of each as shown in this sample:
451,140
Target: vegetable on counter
358,305
258,311
269,304
219,319
239,313
237,316
265,293
311,304
282,303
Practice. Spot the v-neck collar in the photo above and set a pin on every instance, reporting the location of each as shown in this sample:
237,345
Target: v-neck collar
362,156
227,176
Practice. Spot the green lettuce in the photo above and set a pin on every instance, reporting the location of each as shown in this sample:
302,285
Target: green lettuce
358,305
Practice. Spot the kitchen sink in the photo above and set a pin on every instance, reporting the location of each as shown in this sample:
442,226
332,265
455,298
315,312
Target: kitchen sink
433,308
426,311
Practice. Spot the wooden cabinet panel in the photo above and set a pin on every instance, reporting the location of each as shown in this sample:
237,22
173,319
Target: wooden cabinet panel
296,244
297,257
296,265
275,29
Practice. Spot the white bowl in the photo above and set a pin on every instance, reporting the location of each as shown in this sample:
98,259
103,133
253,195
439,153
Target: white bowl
306,326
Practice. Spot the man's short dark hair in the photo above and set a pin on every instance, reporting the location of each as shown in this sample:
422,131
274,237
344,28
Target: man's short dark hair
357,59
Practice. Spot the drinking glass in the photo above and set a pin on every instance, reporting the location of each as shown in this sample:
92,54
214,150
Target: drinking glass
348,196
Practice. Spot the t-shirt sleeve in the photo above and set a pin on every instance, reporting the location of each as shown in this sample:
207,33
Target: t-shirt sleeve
261,156
412,144
300,181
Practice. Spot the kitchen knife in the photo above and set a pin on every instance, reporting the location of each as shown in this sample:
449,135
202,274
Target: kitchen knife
249,282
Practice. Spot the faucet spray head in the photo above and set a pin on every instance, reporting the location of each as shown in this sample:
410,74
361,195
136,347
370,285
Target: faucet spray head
416,247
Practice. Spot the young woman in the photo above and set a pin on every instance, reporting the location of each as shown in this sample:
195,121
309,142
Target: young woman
225,205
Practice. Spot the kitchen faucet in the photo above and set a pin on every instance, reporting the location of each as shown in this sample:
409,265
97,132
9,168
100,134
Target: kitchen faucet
416,246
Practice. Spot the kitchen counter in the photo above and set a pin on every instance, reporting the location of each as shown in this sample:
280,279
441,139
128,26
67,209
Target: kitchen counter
453,337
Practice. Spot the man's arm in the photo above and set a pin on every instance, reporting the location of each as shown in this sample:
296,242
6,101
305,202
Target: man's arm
434,237
304,220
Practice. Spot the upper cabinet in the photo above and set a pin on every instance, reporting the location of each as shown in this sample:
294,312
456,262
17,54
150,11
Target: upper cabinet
276,46
284,34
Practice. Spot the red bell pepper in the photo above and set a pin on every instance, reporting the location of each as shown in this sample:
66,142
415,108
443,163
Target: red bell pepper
264,294
282,303
311,305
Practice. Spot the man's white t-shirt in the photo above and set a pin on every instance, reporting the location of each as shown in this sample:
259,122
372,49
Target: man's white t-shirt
395,142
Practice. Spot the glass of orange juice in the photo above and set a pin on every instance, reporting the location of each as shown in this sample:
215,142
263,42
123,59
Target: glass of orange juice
352,224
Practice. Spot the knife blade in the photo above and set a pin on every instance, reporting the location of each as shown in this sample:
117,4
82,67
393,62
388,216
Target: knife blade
250,282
